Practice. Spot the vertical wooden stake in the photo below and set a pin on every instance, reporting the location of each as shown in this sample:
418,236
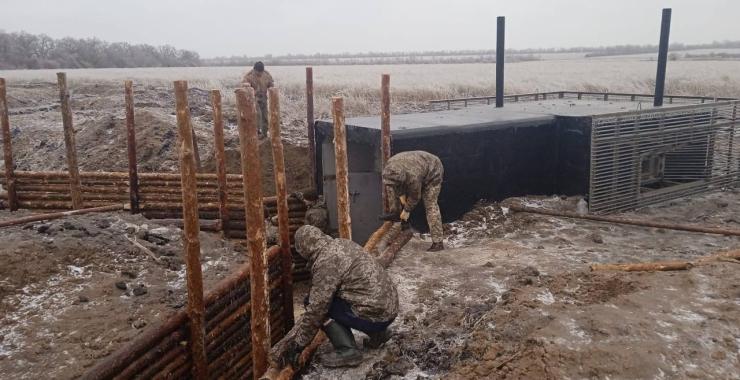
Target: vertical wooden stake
281,191
69,143
385,128
133,174
196,155
252,176
310,127
7,149
340,157
196,309
220,154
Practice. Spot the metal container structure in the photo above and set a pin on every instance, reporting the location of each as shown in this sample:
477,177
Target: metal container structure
614,149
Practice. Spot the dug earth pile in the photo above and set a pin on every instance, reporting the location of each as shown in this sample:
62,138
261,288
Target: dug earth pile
74,290
513,298
100,125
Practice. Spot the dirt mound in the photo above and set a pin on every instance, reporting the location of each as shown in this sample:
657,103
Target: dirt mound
487,220
74,290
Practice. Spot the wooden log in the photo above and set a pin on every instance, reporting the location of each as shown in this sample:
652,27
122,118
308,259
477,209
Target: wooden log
43,196
340,158
168,344
69,142
220,156
58,215
400,240
377,236
310,128
644,267
281,192
133,172
253,208
632,222
191,243
385,130
10,184
160,362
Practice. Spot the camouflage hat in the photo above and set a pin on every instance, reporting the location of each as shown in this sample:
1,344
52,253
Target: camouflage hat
309,241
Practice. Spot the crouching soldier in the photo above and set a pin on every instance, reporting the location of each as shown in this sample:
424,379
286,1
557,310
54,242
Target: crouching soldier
409,177
349,290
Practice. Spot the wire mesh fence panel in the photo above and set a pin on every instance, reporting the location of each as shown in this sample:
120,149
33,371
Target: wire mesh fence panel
644,157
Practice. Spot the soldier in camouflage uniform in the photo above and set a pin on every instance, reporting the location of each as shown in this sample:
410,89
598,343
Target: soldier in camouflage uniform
317,215
260,80
349,290
409,177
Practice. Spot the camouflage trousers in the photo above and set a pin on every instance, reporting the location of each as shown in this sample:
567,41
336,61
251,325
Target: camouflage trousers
430,194
262,116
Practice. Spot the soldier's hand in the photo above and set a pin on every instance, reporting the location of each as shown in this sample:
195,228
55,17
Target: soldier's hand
290,355
405,216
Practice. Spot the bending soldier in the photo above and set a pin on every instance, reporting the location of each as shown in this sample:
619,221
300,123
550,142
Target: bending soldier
409,177
349,290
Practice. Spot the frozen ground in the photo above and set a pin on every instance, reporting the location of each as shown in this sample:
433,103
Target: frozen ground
74,290
522,303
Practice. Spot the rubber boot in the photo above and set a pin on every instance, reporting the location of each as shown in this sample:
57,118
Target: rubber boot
345,352
377,339
438,246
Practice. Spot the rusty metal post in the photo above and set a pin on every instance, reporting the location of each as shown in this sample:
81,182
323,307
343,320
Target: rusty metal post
7,149
281,192
340,157
310,128
665,30
500,56
385,129
253,208
69,142
220,155
196,308
133,173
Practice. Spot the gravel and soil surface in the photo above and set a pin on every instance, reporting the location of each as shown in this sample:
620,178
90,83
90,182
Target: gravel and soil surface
74,290
513,298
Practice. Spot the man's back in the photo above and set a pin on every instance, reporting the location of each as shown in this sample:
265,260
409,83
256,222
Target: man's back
364,283
259,81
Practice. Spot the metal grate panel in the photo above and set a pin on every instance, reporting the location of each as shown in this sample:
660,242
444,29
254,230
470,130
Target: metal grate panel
644,157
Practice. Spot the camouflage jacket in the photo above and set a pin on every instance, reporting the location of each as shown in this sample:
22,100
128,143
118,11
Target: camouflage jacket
260,82
341,268
407,173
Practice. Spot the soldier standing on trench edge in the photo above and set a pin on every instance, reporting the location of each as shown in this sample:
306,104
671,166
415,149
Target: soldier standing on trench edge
412,176
260,80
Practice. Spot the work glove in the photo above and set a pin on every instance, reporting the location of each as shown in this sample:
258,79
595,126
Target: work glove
405,216
290,355
402,198
390,217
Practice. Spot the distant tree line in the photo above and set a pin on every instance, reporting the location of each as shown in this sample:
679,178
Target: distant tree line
645,49
29,51
448,56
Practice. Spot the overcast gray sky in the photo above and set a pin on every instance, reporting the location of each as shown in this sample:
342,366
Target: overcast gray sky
232,27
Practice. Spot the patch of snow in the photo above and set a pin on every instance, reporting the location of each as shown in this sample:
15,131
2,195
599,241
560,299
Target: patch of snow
546,297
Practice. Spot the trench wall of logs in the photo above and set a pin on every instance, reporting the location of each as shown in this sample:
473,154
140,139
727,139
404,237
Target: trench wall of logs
158,352
226,332
159,197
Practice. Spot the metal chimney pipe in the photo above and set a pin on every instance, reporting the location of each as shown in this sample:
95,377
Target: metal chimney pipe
500,28
665,29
